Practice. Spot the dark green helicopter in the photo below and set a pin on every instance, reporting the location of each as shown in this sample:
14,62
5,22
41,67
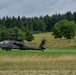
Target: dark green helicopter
14,44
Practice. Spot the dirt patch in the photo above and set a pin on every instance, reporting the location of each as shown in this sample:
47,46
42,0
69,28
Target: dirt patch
39,72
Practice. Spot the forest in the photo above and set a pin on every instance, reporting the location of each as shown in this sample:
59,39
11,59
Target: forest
36,24
20,25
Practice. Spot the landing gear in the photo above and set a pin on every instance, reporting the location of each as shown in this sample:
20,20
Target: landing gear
42,50
7,49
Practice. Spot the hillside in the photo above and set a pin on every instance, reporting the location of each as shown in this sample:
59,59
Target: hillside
51,42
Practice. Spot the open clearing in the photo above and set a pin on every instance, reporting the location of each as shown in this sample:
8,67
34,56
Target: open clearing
51,42
59,58
54,61
50,59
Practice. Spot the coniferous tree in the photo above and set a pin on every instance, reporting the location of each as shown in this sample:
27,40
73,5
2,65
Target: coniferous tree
69,16
74,16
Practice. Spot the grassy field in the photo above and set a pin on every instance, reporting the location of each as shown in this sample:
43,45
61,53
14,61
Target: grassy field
54,58
51,42
58,55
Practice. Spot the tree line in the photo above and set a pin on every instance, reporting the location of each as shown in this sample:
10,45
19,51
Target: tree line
18,34
23,26
36,24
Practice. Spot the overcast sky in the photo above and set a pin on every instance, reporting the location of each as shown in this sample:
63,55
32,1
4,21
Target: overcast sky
31,8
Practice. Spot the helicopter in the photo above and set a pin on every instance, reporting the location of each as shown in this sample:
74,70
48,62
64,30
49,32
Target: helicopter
14,44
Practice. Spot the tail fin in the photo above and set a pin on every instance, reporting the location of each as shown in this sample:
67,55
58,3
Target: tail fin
42,44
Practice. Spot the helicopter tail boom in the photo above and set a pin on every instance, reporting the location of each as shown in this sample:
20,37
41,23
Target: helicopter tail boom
42,44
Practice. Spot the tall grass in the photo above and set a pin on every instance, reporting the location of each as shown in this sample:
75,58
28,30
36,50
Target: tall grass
51,42
55,58
60,54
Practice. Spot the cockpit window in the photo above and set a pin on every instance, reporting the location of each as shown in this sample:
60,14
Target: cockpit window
4,42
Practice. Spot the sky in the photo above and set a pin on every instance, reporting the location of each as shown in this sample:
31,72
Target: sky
32,8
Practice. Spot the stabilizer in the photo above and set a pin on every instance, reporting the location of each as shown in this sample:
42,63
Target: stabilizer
42,44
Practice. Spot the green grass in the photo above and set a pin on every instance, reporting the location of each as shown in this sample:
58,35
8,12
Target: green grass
47,52
53,58
51,42
60,54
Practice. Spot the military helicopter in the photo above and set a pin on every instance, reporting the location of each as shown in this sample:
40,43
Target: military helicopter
14,44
